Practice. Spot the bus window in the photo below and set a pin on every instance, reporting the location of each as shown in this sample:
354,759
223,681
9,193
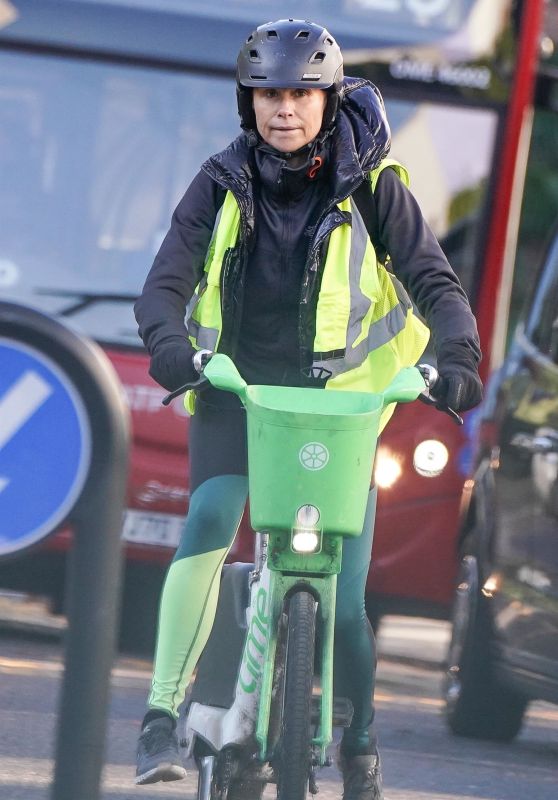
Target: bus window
449,153
93,159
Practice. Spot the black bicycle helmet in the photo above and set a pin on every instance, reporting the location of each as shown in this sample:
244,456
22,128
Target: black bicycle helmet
287,54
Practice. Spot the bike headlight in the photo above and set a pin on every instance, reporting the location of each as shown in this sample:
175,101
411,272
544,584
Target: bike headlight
306,537
430,458
305,541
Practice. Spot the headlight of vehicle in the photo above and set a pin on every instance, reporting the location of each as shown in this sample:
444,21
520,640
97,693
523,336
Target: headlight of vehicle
430,458
388,468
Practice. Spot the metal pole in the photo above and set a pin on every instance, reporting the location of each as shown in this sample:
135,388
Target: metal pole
94,604
96,517
94,599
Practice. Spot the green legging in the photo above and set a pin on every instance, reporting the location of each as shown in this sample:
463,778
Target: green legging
189,601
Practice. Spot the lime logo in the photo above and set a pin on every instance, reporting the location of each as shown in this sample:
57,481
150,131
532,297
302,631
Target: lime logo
314,456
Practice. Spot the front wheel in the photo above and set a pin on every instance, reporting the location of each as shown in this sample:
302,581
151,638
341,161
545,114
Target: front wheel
294,751
246,790
225,779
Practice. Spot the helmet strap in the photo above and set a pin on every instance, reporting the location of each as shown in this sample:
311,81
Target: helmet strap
245,108
330,110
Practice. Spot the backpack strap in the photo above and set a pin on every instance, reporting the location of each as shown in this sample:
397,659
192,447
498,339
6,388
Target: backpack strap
366,204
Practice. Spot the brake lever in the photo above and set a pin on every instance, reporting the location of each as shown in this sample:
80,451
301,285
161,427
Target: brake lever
201,383
200,359
431,377
449,411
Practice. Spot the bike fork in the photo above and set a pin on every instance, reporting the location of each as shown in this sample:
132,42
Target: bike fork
206,766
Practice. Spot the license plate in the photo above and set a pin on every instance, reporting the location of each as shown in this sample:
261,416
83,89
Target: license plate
141,527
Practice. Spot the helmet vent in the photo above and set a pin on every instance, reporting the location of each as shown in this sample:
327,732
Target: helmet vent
317,58
272,35
255,56
258,77
329,41
303,35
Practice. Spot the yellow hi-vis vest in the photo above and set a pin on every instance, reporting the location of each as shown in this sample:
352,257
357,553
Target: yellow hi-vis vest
362,311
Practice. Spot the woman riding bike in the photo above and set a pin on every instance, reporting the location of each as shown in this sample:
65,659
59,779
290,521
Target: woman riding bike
266,267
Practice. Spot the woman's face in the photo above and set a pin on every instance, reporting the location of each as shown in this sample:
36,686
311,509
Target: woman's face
288,118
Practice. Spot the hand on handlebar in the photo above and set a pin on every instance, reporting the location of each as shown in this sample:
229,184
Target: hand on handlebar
460,386
434,392
199,360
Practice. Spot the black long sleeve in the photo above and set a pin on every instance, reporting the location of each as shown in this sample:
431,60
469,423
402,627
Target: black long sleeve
423,269
178,266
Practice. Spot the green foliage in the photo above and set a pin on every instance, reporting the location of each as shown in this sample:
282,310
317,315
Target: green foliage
540,204
466,203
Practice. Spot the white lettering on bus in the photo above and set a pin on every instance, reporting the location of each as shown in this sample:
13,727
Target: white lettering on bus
148,398
468,77
423,9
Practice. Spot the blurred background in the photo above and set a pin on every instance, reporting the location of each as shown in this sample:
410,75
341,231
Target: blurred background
108,108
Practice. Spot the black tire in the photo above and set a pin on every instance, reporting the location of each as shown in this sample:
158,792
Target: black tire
477,704
294,752
227,766
246,790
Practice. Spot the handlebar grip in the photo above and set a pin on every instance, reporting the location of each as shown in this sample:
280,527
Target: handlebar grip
431,376
201,359
433,380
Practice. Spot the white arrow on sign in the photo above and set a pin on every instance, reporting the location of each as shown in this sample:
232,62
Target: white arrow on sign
18,405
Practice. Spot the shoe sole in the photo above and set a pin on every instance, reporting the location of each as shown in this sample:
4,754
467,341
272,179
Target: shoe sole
162,772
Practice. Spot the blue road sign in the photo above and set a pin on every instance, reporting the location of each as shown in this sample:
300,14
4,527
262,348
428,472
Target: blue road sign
45,446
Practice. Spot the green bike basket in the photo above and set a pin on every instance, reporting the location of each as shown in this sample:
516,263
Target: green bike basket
310,447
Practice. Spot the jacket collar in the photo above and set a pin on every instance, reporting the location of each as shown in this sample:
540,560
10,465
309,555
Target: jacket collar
362,137
360,140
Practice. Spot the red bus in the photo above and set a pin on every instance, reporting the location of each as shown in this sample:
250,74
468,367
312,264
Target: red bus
107,109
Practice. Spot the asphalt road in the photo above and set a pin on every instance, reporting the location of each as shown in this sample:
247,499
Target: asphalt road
421,760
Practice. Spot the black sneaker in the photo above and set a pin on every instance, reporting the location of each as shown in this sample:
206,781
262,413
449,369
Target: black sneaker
158,756
362,777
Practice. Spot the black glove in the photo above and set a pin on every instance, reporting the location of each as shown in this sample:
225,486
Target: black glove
171,363
459,385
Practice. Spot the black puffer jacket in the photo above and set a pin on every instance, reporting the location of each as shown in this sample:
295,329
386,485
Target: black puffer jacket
272,278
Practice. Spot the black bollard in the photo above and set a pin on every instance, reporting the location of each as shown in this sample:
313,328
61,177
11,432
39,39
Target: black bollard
96,559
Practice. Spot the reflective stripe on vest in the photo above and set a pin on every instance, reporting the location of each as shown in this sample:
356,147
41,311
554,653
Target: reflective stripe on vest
203,313
365,326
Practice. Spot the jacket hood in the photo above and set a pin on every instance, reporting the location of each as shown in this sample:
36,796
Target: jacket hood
362,136
360,140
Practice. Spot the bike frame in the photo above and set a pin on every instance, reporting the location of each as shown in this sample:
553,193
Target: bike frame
316,574
278,573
